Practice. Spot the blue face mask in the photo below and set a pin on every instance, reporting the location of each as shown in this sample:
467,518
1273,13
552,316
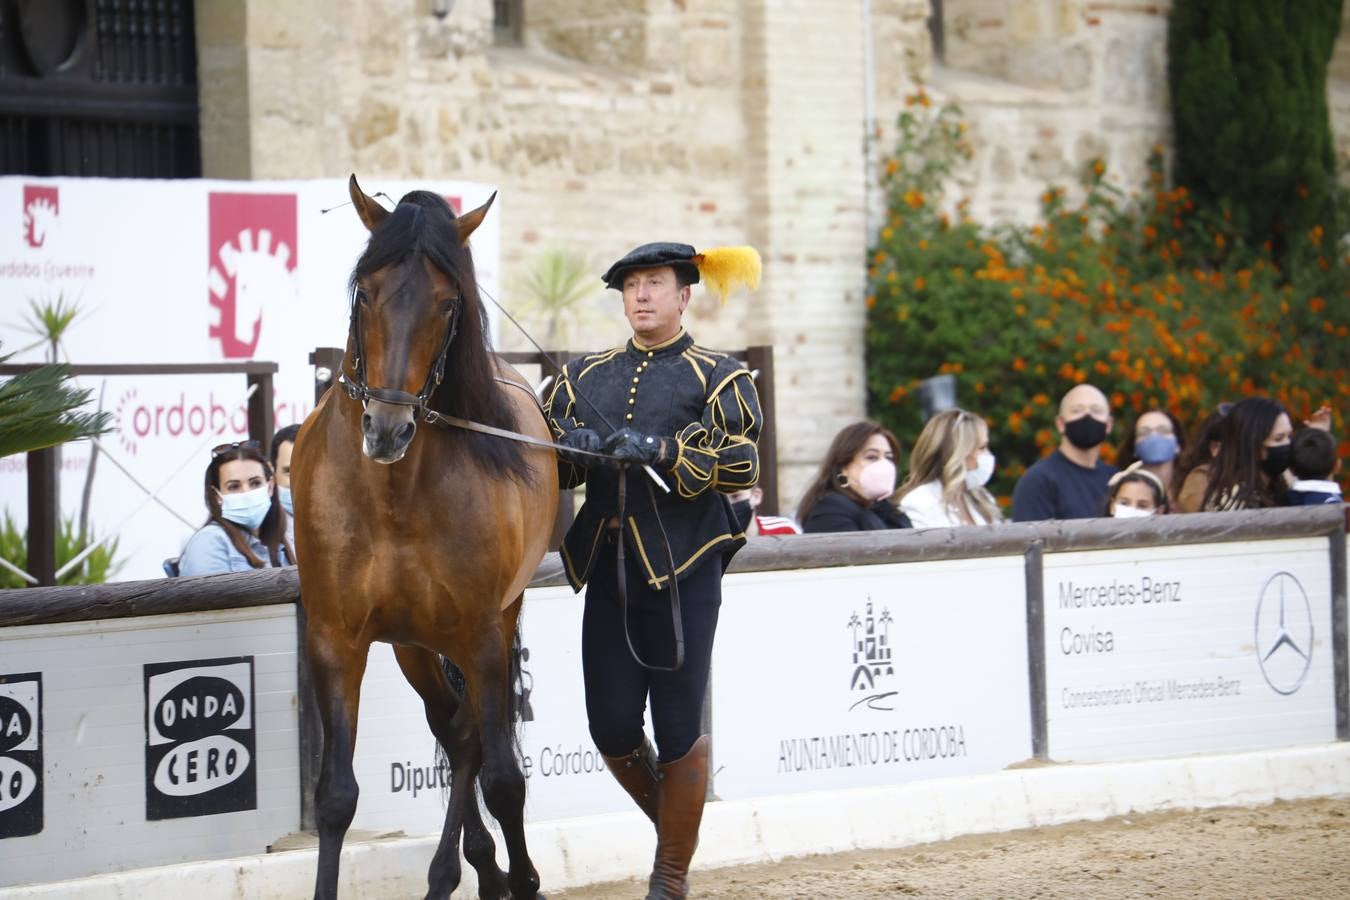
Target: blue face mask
284,495
1156,449
247,509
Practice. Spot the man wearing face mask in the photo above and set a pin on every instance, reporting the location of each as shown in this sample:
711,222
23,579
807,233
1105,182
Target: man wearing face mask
662,402
1072,482
283,442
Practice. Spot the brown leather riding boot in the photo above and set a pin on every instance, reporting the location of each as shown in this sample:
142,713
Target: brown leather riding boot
683,786
636,774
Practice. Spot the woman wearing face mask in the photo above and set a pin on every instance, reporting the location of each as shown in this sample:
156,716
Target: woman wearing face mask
247,525
1158,442
1247,472
851,490
1135,492
948,470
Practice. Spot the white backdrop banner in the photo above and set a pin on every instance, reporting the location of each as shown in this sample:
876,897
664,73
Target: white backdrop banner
147,741
1171,650
845,678
185,271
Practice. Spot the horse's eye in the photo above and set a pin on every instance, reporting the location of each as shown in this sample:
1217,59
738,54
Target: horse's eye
362,297
448,306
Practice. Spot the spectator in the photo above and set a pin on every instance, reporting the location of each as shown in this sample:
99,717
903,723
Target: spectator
1199,453
246,528
851,490
1157,441
283,442
745,503
1312,459
1135,492
948,470
1071,482
1247,471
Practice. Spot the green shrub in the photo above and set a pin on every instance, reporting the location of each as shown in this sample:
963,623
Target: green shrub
1147,297
96,568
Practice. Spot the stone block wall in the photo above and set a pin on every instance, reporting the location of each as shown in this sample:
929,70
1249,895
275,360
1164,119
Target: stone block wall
710,121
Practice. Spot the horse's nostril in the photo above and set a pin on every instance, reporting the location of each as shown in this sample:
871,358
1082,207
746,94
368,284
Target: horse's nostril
405,433
365,422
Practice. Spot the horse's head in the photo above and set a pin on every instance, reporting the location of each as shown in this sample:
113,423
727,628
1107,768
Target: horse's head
413,290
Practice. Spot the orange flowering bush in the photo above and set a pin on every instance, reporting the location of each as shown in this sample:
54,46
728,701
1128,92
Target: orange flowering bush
1149,298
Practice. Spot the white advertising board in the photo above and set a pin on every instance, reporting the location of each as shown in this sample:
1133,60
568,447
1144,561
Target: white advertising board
846,678
565,775
185,271
1188,649
147,741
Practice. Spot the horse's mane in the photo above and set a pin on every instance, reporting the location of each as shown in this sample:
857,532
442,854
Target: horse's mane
423,225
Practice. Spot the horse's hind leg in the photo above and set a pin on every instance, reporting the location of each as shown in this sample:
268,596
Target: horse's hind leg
451,721
337,669
503,782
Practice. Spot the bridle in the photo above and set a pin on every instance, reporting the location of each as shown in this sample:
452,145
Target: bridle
355,386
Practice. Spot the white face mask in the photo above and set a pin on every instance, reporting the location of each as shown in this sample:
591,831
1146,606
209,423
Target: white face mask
1120,511
877,480
246,508
983,471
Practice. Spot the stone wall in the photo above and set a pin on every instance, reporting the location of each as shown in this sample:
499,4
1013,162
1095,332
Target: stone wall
709,121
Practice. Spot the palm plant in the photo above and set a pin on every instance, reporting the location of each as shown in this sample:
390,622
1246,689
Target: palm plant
555,283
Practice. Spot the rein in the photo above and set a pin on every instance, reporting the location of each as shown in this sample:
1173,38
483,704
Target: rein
356,388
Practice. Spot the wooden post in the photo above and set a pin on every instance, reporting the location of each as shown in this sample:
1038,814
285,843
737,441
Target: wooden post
760,358
44,514
328,359
261,407
1035,582
1339,625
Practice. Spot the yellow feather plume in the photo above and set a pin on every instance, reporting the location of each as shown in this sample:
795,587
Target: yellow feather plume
723,269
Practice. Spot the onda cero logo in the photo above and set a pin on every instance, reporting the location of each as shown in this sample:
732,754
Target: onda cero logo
252,246
20,754
200,738
41,208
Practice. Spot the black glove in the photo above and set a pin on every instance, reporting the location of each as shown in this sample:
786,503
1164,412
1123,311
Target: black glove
583,439
635,448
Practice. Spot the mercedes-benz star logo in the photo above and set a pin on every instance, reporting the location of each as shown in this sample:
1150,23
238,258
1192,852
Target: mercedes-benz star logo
1284,633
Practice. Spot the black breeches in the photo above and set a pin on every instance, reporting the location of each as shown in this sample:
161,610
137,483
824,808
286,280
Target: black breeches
617,687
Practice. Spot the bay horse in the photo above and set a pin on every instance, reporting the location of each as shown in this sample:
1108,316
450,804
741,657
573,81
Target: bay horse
427,543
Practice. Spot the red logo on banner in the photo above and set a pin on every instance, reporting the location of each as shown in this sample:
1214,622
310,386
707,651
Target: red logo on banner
252,256
41,207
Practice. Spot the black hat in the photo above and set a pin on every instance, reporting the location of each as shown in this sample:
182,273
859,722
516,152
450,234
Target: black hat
679,257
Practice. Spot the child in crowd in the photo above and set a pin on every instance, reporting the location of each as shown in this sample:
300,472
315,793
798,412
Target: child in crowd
1313,462
1135,492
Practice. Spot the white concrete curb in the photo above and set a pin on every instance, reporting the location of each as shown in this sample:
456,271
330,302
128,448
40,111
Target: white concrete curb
574,852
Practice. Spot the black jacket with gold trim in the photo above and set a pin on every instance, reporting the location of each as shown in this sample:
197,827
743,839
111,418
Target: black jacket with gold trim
706,403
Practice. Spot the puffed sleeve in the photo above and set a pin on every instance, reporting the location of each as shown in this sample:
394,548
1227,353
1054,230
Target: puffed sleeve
720,450
560,409
207,553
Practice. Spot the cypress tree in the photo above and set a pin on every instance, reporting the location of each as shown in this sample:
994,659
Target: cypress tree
1249,106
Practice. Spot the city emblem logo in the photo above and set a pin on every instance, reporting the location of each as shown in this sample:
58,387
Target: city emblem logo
201,738
41,209
522,682
1284,633
20,755
252,240
872,666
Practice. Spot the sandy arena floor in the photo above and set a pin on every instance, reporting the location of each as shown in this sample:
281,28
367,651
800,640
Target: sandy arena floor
1288,850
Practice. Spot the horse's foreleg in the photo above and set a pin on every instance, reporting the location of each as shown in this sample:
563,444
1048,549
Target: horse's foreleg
336,670
451,721
503,782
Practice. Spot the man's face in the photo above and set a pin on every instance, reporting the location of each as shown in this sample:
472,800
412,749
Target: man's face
1083,400
653,303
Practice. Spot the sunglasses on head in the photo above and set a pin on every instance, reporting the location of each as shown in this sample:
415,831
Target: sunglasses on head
234,445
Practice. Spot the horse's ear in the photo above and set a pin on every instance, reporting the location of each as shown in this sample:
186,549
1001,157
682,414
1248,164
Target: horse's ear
466,223
371,212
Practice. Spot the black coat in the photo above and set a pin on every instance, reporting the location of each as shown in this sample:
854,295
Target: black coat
706,402
838,512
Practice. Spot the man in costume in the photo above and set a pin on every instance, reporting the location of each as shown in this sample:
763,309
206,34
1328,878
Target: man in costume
652,557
